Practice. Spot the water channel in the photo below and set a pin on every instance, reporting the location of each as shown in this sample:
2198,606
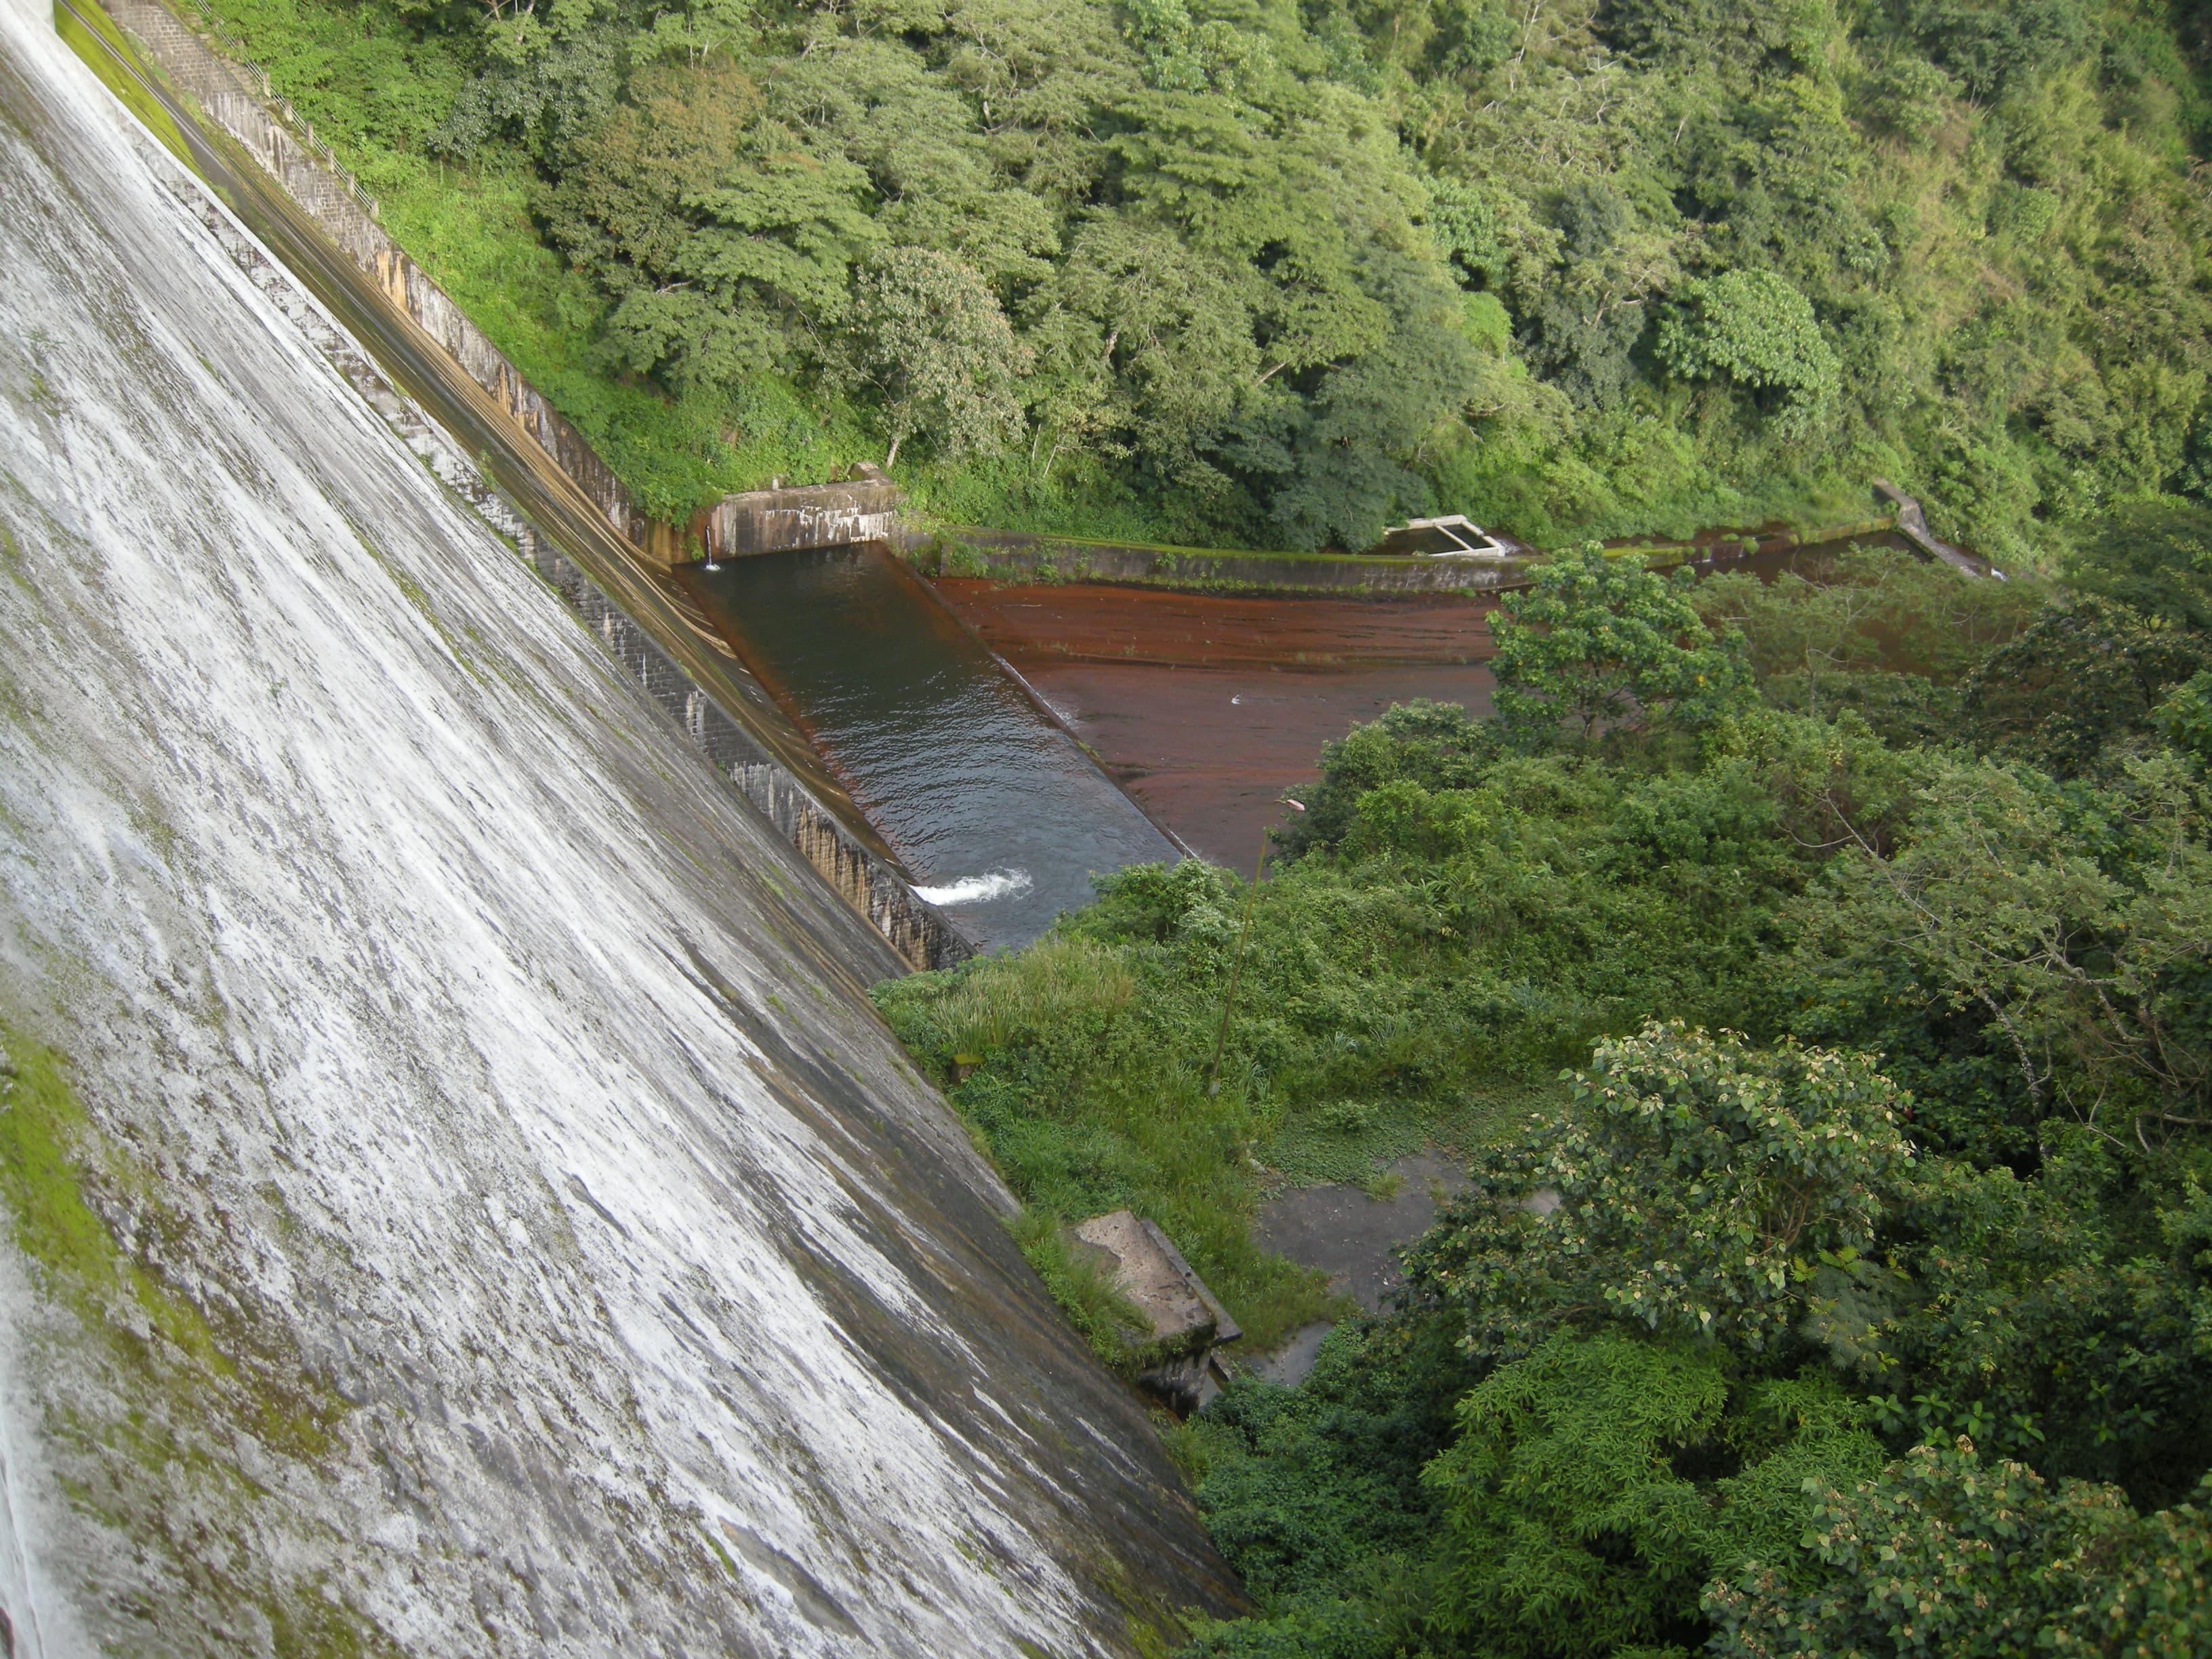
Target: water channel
997,813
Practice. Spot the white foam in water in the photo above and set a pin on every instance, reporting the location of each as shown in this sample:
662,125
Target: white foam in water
978,890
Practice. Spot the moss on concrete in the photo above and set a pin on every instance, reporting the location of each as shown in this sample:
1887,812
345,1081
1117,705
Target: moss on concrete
94,38
152,1442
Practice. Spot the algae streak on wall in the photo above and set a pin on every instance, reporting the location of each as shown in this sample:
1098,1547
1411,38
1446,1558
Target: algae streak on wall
456,1199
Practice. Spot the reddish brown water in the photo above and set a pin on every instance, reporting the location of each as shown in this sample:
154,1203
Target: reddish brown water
1207,708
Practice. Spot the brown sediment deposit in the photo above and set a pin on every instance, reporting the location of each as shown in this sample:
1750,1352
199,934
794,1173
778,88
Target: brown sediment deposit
1100,622
1208,708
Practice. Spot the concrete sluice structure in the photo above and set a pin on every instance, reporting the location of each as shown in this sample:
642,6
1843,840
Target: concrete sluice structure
862,508
456,1199
575,516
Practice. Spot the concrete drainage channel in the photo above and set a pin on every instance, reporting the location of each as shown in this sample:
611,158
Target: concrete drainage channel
487,433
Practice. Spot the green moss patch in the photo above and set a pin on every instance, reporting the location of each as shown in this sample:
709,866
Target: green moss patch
147,1396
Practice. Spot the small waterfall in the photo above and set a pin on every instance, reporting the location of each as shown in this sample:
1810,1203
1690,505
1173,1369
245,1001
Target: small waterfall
978,890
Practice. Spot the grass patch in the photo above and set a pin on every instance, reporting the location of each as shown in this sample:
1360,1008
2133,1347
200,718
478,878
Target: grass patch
1080,1066
1083,1288
1355,1142
1083,1112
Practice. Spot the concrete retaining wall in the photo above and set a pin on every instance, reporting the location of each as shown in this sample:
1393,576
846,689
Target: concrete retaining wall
814,516
234,97
1014,554
405,284
914,927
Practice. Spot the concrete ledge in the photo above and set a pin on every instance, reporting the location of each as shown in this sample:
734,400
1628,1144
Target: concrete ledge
1188,1321
1018,556
781,521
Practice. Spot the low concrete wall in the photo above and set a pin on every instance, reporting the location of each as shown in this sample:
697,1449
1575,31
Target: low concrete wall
235,98
229,99
1912,524
408,287
1016,554
812,515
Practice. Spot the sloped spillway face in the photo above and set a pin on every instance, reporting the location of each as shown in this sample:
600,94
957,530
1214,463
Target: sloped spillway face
1001,816
458,1201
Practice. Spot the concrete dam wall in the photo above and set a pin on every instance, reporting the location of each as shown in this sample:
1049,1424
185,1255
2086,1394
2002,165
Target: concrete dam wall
455,1198
612,557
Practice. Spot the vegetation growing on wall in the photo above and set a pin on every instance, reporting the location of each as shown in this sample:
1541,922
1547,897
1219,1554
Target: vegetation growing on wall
1847,1294
1273,272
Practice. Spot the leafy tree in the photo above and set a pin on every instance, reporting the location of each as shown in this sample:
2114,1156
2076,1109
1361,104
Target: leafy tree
697,31
2077,689
548,77
1336,459
1599,642
1751,327
2050,1318
1871,608
721,242
1465,231
1990,901
1686,1196
1677,210
1991,46
1943,1553
1592,310
2185,719
1170,324
1571,1533
1434,744
1573,1528
2154,558
928,330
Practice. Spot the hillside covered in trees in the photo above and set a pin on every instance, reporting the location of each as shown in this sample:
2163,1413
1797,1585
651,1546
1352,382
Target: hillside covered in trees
1275,272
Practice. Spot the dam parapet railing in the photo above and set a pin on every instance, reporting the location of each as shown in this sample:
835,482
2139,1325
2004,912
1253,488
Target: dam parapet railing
615,583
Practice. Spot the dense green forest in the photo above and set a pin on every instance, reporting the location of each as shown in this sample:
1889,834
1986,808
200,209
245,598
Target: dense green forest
1839,954
1275,273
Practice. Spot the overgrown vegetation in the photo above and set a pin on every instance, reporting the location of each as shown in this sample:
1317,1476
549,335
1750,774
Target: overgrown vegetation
1850,1298
1275,273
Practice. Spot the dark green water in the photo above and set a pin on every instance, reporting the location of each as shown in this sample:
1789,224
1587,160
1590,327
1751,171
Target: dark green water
999,814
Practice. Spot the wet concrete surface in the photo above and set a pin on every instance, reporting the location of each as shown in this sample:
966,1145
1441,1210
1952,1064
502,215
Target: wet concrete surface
1351,1237
1291,1363
1209,709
